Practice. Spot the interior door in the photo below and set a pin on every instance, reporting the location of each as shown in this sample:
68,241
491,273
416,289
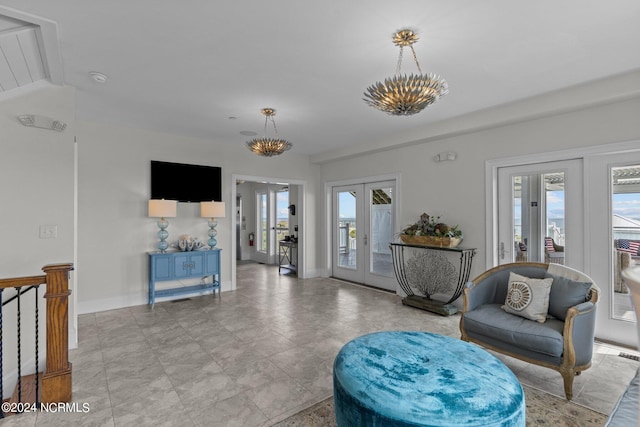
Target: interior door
363,226
614,206
538,202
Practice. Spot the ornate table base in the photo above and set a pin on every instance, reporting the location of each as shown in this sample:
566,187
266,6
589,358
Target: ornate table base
434,306
435,273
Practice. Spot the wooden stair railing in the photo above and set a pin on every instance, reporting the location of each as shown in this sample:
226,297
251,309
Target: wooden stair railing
56,380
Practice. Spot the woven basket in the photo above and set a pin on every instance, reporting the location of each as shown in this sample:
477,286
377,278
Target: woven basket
447,242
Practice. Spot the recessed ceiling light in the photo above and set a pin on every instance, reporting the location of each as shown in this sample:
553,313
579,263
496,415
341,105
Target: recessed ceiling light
98,77
248,133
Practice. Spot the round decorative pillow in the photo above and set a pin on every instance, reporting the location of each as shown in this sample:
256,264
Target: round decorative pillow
527,297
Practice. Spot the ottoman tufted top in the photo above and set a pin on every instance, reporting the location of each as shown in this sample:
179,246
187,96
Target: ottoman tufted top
419,378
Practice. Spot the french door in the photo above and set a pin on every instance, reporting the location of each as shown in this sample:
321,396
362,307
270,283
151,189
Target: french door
614,205
363,224
601,222
272,222
538,204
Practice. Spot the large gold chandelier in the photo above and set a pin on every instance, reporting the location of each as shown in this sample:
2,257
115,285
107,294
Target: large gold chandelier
269,147
403,95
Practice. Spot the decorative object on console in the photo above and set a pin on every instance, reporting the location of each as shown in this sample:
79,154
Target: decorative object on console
431,273
163,209
403,95
187,243
212,210
429,231
269,147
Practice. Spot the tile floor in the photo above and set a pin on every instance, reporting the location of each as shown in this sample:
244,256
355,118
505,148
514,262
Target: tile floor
257,355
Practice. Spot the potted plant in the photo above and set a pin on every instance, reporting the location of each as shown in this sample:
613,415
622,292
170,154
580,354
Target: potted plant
430,231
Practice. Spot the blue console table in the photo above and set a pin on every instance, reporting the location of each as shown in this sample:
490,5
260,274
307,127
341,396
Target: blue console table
182,265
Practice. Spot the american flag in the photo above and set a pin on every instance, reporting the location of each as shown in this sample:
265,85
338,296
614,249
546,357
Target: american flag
629,246
548,243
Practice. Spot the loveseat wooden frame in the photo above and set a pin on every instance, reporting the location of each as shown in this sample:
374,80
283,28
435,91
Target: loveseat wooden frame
567,368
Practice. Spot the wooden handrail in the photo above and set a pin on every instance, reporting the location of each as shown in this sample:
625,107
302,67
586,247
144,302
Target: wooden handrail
19,282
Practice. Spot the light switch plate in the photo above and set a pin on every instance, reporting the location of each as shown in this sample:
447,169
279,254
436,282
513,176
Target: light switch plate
48,231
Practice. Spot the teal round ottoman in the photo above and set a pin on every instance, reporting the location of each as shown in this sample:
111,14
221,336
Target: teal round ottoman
421,379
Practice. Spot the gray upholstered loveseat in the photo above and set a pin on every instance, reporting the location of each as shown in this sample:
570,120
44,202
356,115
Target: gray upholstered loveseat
563,343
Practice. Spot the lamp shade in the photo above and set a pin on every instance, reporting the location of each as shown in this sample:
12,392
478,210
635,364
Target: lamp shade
163,208
212,209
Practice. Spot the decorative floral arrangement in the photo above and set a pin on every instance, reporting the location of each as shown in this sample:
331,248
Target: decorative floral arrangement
431,226
429,231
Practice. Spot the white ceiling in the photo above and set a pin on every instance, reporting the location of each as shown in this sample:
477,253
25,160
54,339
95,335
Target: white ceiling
187,67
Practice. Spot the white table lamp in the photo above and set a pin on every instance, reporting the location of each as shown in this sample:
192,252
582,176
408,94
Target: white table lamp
163,209
212,210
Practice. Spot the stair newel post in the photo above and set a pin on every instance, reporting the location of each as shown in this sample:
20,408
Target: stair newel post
56,381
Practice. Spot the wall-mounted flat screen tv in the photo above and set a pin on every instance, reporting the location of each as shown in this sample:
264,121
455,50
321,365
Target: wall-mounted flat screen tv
185,183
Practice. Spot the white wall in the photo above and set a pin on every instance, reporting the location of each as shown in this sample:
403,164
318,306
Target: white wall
114,233
456,190
36,182
114,183
36,188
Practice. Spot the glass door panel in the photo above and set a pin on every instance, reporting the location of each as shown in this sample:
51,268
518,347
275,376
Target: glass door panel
348,232
614,227
263,233
282,214
379,226
347,246
532,209
625,207
263,227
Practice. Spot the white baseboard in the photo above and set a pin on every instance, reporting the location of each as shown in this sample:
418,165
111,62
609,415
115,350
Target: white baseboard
124,301
318,272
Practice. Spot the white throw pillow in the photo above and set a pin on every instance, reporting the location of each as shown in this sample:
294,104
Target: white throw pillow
527,297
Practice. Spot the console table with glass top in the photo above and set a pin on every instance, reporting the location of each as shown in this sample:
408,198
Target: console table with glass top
400,268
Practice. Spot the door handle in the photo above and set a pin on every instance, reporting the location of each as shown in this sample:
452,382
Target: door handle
501,250
365,240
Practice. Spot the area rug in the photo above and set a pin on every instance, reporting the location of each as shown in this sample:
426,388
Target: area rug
543,409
